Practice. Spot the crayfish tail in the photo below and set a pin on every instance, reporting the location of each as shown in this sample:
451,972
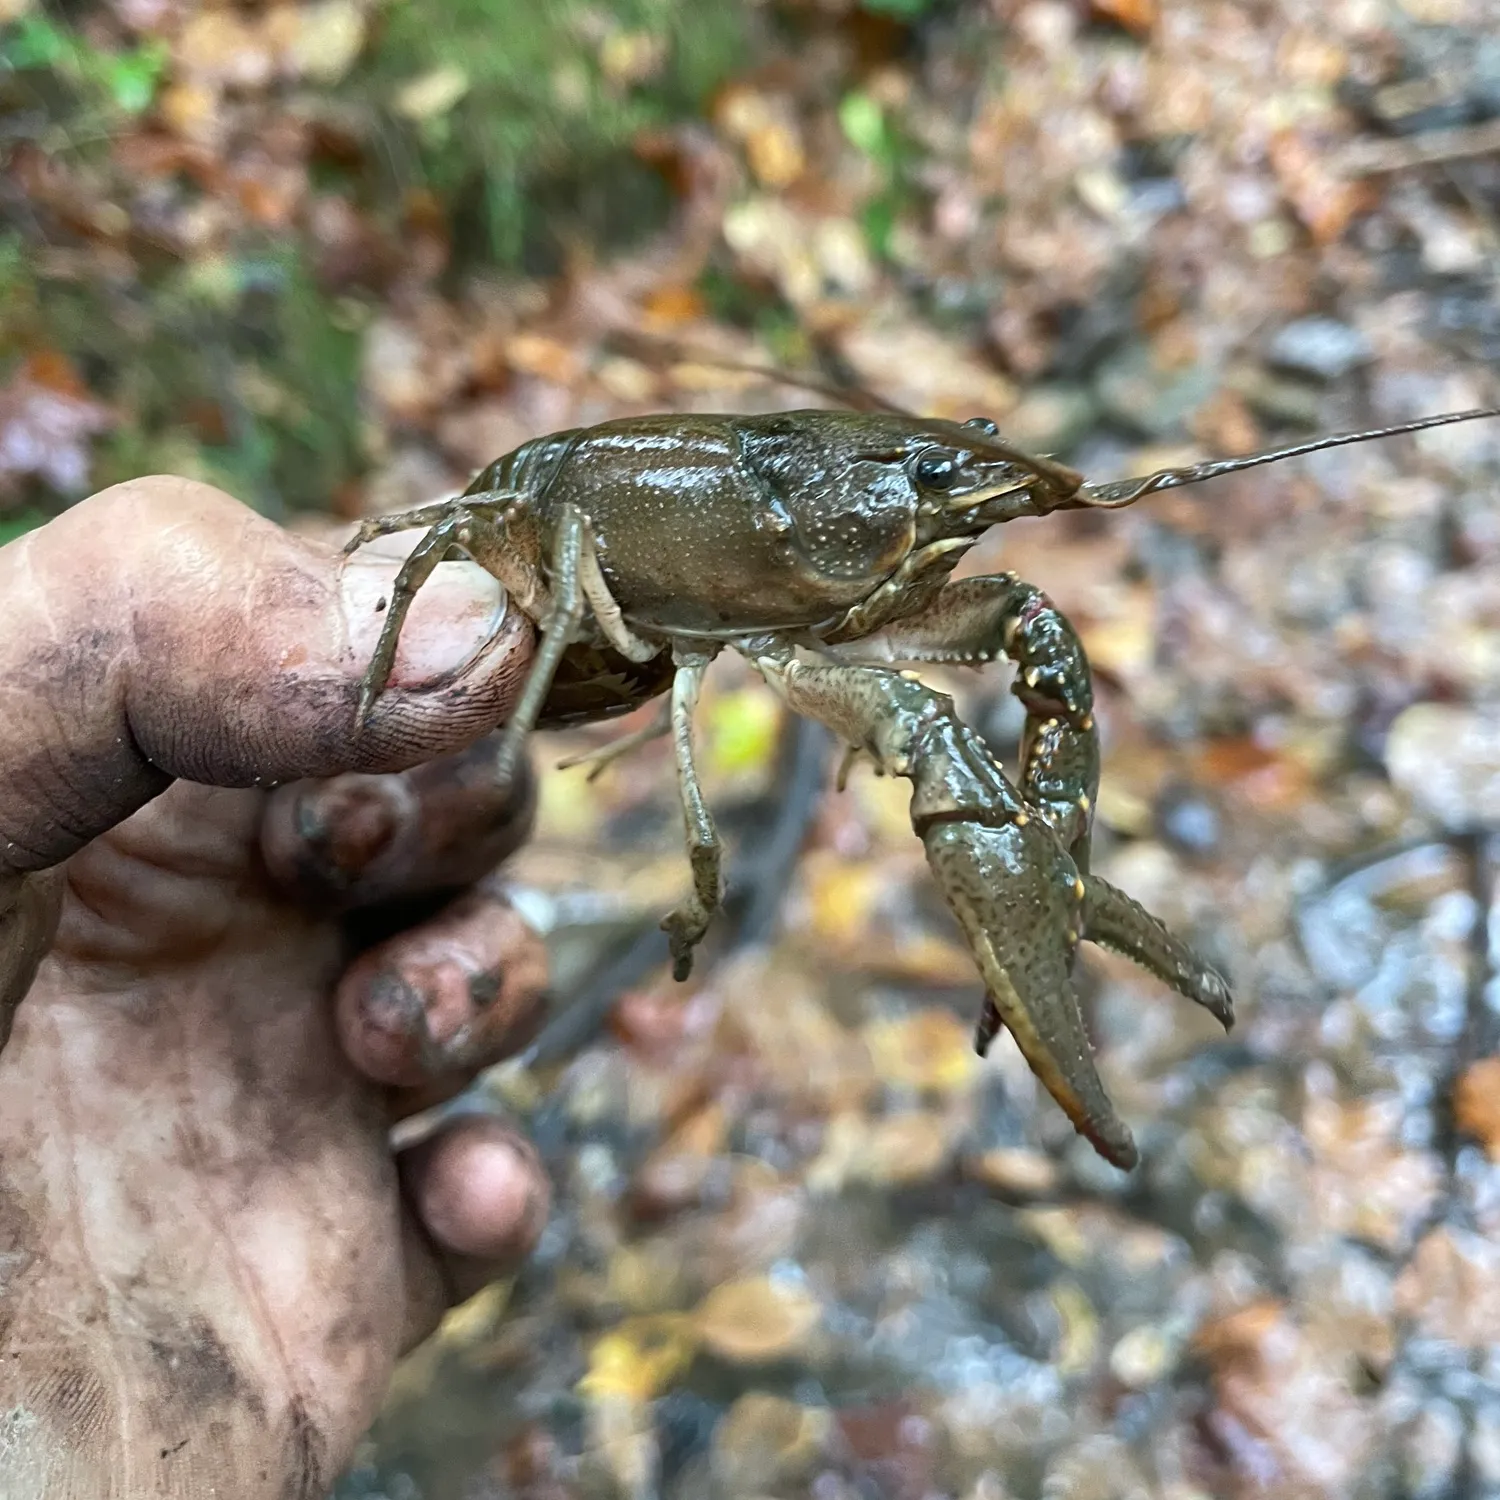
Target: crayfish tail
1113,920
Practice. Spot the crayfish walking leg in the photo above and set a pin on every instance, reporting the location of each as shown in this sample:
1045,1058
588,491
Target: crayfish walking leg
1022,900
686,925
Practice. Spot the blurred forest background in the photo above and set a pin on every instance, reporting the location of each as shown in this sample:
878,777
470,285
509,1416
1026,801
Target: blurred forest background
336,256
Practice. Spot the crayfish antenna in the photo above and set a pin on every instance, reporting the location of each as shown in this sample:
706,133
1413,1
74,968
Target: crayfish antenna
1115,494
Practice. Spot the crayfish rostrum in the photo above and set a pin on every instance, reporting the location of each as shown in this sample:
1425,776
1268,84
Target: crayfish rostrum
819,545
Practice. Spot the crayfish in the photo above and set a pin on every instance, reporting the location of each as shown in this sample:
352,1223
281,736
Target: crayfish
819,545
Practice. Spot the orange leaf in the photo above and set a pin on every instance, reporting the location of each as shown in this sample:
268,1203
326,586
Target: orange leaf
1321,199
1476,1104
1138,16
672,306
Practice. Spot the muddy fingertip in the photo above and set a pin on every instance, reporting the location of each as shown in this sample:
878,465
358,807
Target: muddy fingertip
479,1189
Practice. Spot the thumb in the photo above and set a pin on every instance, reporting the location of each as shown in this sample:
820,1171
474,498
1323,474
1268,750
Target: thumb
161,630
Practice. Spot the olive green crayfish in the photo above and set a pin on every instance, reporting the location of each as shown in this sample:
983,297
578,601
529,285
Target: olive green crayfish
819,545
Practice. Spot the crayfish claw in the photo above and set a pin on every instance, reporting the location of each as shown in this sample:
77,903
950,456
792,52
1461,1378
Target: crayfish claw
1113,920
1019,901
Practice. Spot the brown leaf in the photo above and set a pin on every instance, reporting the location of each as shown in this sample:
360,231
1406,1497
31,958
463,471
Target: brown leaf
46,421
1321,199
1476,1104
672,306
1138,16
217,46
756,1320
1285,1415
930,1049
1451,1289
535,354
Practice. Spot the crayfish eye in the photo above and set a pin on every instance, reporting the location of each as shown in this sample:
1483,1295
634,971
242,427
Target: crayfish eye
936,469
984,425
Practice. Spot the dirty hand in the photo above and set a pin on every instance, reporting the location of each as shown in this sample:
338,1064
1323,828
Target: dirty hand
223,995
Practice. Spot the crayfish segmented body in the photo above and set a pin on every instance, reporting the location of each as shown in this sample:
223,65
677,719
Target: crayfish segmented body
820,545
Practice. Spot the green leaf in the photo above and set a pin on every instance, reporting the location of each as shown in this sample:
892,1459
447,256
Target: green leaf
903,10
864,123
133,76
37,43
878,219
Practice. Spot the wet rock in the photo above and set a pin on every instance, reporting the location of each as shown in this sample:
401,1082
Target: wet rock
1134,389
1188,820
766,1441
1323,348
1484,1445
1446,758
685,1424
896,1150
1430,1448
1283,399
1052,418
1142,1357
1451,1289
1099,1468
894,1448
1364,1180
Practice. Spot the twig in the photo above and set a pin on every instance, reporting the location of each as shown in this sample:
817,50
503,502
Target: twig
1431,148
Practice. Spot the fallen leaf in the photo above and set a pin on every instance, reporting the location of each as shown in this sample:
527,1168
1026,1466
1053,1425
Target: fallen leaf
740,730
431,94
1138,16
1286,1416
548,359
756,1320
216,46
640,1358
928,1049
1078,1342
628,58
775,155
1476,1104
1451,1289
671,306
325,41
46,421
1324,201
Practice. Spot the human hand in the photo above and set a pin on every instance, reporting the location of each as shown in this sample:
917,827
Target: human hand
209,1259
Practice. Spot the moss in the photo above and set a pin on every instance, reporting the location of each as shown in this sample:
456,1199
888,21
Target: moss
245,377
538,148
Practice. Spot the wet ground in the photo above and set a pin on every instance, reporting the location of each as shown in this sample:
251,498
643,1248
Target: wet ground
806,1243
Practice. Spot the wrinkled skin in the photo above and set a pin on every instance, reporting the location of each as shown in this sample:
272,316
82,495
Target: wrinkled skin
219,997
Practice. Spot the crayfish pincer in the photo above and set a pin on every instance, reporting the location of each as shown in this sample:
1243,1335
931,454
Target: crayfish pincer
820,546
